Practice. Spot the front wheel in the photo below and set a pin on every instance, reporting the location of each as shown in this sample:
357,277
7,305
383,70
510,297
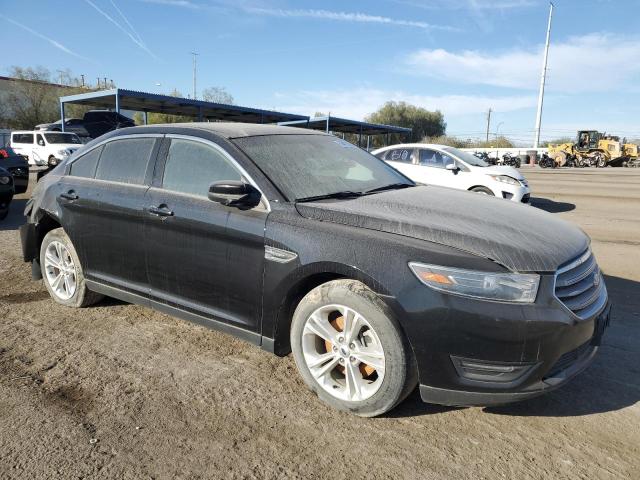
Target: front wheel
350,350
53,161
483,191
62,273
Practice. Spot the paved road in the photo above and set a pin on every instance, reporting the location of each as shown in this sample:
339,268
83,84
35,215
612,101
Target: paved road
166,399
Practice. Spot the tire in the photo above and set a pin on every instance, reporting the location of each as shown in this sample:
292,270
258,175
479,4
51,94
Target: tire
52,161
4,213
602,162
560,158
381,385
72,291
482,190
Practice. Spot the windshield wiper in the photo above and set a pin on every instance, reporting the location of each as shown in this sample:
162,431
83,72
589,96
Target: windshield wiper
343,194
391,186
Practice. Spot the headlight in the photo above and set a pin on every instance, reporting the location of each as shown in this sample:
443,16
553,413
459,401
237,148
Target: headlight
5,180
505,179
503,287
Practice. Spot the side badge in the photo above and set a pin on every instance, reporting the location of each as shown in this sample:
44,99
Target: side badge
278,255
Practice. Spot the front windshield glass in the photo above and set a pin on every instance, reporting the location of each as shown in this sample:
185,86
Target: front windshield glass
466,157
304,166
62,138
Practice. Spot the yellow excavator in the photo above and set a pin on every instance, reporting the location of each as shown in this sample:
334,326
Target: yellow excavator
593,148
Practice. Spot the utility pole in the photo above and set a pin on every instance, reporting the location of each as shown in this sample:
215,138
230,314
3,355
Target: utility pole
543,79
194,74
82,77
488,123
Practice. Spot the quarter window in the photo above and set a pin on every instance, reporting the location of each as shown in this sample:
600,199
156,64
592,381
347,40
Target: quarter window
85,166
191,167
125,160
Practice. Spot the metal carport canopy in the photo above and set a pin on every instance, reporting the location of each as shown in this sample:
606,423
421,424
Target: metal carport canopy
343,125
121,99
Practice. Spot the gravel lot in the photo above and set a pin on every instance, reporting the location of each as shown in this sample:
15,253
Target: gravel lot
120,391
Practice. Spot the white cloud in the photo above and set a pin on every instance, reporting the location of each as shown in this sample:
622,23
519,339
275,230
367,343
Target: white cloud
176,3
344,17
359,102
466,4
595,62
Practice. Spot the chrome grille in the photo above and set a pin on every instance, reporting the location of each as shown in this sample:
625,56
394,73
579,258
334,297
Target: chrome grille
580,286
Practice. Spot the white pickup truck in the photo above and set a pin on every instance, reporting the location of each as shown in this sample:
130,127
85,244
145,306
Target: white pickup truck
44,148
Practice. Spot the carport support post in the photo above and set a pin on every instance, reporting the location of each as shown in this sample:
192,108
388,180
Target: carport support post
360,137
117,102
62,116
327,127
368,138
199,114
146,117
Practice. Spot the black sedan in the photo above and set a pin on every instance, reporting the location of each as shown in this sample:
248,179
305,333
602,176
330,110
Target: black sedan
6,192
17,166
298,241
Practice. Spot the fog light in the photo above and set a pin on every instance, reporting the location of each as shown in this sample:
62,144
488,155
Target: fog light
507,195
486,371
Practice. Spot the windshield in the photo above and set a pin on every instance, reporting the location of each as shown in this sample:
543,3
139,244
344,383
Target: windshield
62,138
466,157
304,166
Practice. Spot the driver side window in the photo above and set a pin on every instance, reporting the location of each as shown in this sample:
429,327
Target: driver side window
431,158
191,167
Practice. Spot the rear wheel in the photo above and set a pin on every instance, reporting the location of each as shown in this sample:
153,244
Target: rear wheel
62,273
349,349
482,190
560,158
53,161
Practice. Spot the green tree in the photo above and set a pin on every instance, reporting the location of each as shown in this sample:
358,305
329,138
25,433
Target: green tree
424,123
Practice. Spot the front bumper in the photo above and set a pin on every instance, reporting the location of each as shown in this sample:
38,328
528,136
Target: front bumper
545,342
520,194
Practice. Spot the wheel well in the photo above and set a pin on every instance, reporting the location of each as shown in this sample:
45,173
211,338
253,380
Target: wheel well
45,225
479,186
285,312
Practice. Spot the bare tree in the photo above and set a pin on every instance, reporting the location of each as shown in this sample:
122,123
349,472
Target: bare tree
217,95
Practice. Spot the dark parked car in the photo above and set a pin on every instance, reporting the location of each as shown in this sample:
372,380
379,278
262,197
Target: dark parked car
17,166
6,192
92,125
298,241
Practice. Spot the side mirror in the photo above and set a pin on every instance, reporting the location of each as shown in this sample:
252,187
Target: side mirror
232,193
452,166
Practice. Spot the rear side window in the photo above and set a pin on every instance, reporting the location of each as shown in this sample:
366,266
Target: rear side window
85,166
22,138
191,167
402,155
125,160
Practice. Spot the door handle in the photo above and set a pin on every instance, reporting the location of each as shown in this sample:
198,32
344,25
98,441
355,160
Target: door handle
160,211
70,195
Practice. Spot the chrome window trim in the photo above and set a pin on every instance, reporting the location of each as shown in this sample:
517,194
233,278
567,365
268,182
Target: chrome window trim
228,156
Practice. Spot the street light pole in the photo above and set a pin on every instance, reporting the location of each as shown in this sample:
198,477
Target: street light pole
194,74
543,79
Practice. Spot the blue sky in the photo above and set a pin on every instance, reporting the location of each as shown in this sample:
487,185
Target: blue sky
459,56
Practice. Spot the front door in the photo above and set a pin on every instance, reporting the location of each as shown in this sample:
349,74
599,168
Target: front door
203,257
40,149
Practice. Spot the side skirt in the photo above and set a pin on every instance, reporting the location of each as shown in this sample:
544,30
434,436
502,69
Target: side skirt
251,337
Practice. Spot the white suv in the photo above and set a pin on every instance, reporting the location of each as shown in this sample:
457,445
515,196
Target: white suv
44,148
454,168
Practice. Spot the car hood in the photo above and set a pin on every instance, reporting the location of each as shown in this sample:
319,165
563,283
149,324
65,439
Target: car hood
519,237
64,146
501,170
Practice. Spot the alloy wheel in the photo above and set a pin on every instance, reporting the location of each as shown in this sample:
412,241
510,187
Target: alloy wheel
343,353
60,270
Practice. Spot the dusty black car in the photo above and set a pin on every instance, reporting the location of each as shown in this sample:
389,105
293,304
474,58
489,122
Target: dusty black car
17,166
7,191
298,241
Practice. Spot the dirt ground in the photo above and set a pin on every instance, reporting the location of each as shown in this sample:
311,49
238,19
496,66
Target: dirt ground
120,391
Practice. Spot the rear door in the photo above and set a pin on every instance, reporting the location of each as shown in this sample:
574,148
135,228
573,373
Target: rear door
404,160
432,165
103,202
40,150
203,257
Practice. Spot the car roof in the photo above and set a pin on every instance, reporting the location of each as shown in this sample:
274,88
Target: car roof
224,129
411,145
